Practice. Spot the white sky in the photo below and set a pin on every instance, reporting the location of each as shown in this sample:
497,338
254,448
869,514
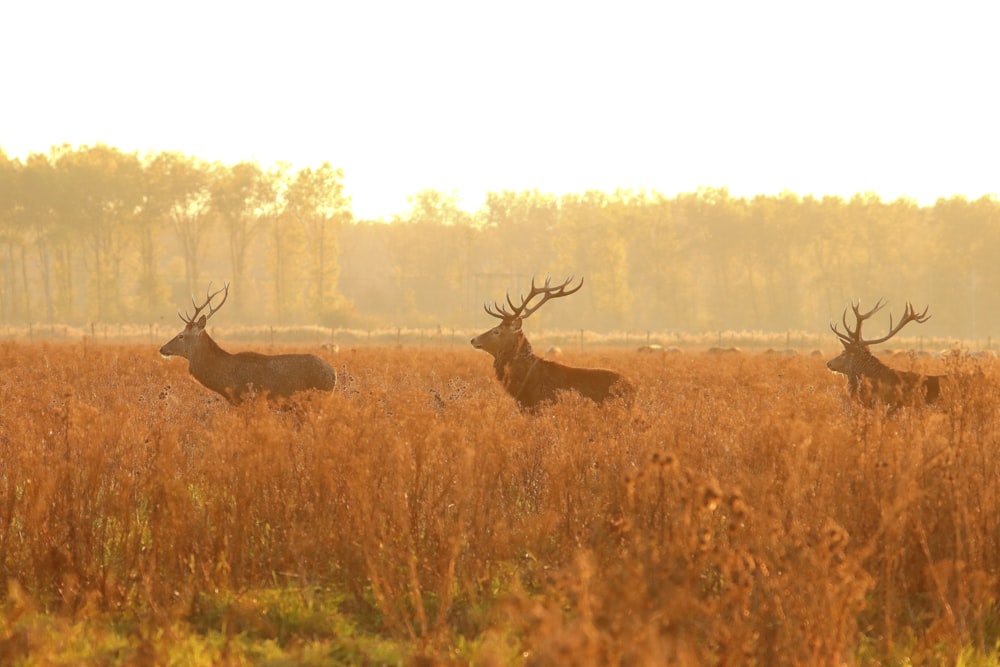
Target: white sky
897,98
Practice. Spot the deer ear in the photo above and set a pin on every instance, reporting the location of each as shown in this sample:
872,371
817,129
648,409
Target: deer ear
516,324
202,321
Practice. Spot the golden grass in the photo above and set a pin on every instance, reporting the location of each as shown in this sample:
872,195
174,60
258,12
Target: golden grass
743,511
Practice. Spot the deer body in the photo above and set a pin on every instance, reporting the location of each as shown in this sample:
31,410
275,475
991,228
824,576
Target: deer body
871,381
532,380
238,376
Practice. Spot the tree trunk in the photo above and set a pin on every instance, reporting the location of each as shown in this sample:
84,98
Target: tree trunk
24,281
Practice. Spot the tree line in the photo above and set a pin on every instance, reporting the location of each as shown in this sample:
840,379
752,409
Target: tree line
94,234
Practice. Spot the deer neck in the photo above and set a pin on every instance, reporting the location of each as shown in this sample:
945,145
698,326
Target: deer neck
207,359
868,366
517,353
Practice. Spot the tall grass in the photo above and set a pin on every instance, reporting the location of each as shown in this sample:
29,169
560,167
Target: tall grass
742,512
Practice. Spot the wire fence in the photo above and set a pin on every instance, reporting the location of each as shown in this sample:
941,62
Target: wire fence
543,339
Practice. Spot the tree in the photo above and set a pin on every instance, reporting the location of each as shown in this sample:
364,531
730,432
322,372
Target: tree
39,192
242,196
659,262
591,241
719,229
316,202
961,279
429,250
177,191
101,196
10,235
518,230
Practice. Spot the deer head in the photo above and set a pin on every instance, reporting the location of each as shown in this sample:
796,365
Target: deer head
857,356
506,337
183,343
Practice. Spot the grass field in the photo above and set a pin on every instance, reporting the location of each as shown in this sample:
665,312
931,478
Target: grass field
742,512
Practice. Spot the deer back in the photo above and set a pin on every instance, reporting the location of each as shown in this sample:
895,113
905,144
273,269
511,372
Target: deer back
533,381
279,375
597,384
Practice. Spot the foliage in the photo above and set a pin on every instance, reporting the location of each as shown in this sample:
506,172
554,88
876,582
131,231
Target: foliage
742,512
94,235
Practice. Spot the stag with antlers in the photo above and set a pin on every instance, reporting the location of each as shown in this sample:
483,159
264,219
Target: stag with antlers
530,379
237,376
868,378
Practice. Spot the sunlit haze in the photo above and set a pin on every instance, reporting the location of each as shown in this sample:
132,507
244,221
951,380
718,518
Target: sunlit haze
895,98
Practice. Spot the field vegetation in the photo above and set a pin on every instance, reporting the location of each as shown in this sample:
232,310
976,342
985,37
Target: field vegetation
742,512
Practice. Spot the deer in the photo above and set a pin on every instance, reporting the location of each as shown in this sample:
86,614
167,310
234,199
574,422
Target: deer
239,376
870,380
531,380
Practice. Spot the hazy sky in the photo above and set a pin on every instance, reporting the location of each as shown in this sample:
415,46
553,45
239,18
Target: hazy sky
898,98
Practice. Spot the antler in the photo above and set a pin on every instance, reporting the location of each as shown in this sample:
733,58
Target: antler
208,302
909,315
855,336
521,312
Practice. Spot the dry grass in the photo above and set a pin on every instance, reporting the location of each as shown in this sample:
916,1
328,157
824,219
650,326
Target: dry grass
741,512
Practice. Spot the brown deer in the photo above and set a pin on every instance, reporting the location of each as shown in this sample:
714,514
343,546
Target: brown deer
868,378
530,379
238,376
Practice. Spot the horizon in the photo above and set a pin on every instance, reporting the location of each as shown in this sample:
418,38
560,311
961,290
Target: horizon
888,99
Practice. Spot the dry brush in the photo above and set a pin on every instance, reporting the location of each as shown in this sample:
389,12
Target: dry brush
743,509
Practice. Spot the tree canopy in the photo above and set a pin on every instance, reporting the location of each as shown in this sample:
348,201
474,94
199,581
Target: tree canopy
93,234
